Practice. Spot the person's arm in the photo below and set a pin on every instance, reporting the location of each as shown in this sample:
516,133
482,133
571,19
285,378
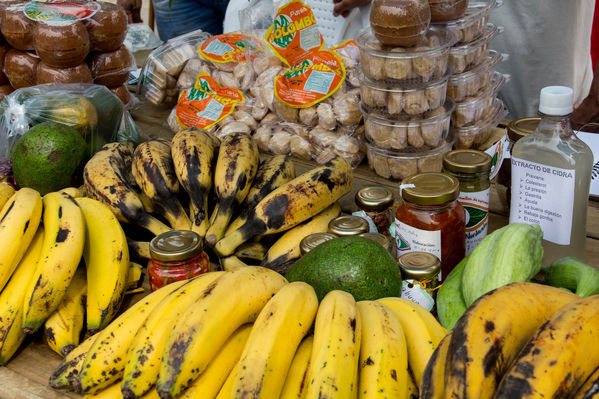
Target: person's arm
343,7
133,10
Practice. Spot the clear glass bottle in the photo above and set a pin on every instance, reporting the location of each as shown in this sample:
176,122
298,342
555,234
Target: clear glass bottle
551,177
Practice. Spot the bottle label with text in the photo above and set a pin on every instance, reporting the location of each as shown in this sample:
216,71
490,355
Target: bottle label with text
412,291
544,195
476,205
410,239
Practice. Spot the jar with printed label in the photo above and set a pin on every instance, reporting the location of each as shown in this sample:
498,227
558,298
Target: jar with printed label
516,129
375,203
472,169
420,277
348,225
551,178
313,240
176,255
430,219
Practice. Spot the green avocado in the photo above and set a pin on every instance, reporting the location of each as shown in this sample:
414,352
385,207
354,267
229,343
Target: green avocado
46,157
356,265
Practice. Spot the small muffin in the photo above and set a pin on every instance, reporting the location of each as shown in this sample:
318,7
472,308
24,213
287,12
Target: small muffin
400,22
16,28
61,45
20,68
107,28
77,74
111,68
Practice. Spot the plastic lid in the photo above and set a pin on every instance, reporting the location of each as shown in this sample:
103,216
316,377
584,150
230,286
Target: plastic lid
419,265
467,161
430,188
519,128
556,100
311,241
348,225
374,198
175,245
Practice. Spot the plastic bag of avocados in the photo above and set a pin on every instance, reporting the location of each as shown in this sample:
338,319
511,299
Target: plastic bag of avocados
97,114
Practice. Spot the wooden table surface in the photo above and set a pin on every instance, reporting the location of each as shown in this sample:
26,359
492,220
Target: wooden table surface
26,375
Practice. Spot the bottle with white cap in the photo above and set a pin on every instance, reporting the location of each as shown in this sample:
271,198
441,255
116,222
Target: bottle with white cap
551,177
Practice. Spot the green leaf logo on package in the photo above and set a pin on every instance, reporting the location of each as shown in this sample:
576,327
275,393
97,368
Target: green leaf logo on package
402,243
474,217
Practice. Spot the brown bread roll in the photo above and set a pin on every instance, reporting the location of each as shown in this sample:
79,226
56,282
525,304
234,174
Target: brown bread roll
61,45
16,28
111,68
77,74
107,28
400,22
20,68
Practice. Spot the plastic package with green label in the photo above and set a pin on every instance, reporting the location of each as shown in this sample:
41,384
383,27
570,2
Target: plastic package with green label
93,110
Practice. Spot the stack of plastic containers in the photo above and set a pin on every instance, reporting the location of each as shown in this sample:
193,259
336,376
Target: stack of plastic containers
473,83
403,100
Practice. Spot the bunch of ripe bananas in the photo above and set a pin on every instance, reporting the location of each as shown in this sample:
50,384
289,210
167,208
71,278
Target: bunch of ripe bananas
251,198
43,281
248,333
522,340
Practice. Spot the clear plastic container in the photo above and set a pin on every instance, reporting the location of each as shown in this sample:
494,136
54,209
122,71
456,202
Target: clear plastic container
465,57
477,135
447,10
425,62
474,81
398,165
402,101
472,25
474,109
411,135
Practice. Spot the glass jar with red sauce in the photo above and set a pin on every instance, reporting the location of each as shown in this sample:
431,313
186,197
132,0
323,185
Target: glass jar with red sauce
176,255
430,219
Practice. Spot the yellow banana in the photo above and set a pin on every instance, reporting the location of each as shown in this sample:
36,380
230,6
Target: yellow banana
420,341
292,203
231,262
63,328
286,250
297,377
66,374
433,379
6,191
489,335
209,383
105,361
64,237
154,173
139,249
11,299
19,219
276,334
590,389
235,170
437,331
114,392
556,361
193,152
106,255
413,392
272,173
383,353
135,277
333,369
202,329
107,178
251,250
225,391
74,192
142,361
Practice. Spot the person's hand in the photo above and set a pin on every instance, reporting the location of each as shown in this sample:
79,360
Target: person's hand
343,7
133,10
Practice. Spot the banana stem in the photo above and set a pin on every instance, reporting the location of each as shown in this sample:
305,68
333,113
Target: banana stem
139,249
175,214
227,245
152,224
237,223
199,222
218,227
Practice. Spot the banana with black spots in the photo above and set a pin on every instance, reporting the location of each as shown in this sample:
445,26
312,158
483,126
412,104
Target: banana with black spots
590,389
66,374
236,167
107,178
286,250
154,173
272,173
19,219
236,298
64,238
255,251
297,376
193,151
6,191
292,203
433,379
63,328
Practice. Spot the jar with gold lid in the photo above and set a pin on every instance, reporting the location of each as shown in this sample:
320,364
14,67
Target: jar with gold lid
374,203
348,225
176,255
381,239
313,240
420,277
472,169
430,219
